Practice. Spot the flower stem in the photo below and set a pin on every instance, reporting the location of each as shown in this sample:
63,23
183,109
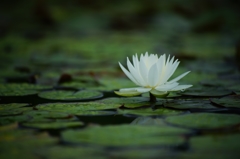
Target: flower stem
152,98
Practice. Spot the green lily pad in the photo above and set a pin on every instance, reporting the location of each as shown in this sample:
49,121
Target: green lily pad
23,143
143,153
204,120
10,112
20,89
47,114
60,152
128,102
219,146
75,108
12,119
16,92
126,135
94,113
53,125
217,143
150,112
229,101
12,106
70,95
41,116
189,104
13,109
207,92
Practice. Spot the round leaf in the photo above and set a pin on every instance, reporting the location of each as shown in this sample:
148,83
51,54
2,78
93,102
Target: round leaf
229,101
70,95
205,120
126,135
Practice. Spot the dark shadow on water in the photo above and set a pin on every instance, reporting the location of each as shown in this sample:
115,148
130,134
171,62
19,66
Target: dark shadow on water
106,120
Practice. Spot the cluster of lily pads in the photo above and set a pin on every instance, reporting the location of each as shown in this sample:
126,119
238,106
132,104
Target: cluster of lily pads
60,107
65,121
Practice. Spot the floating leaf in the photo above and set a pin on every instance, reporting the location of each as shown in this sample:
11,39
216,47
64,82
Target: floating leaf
16,92
75,108
64,152
219,146
205,120
143,153
207,92
47,114
13,109
126,135
12,106
53,125
94,113
229,101
150,112
23,143
128,102
12,119
70,95
20,89
189,104
10,112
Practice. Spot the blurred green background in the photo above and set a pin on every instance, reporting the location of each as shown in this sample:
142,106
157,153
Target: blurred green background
112,29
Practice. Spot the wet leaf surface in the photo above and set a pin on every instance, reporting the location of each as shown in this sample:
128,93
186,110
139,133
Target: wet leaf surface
75,107
130,102
205,120
70,95
207,92
220,146
53,125
15,142
189,104
72,152
132,136
149,112
229,101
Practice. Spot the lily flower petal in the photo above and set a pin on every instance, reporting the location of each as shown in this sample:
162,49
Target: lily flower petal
152,73
166,87
134,72
181,87
128,74
152,80
178,78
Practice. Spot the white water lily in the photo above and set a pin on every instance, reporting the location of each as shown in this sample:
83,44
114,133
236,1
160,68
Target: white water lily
151,74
